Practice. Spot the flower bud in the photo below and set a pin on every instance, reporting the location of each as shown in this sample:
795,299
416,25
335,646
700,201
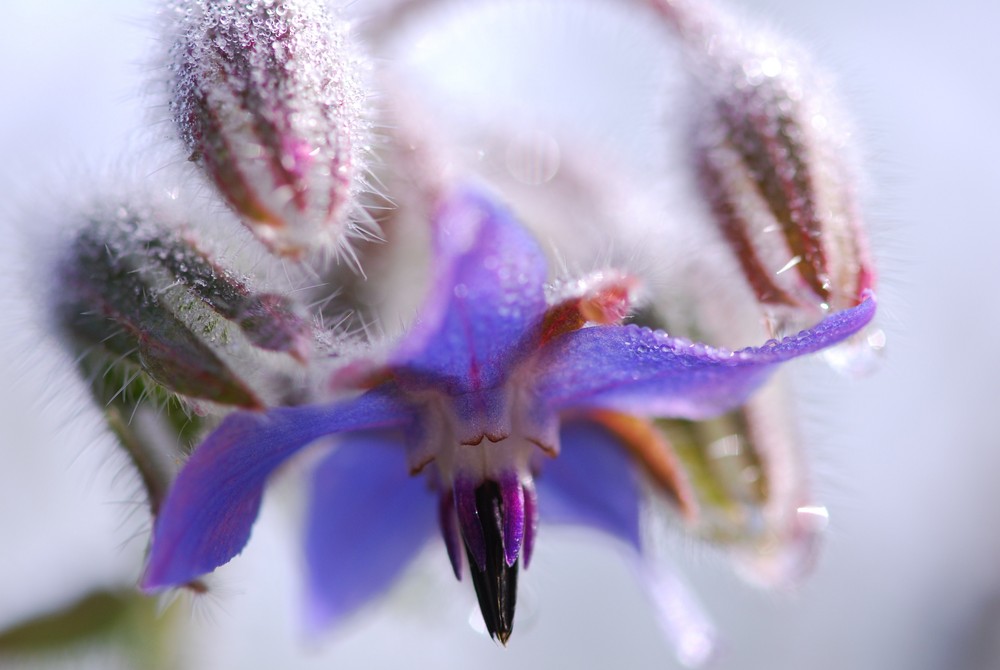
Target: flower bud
748,486
773,160
109,306
267,97
134,292
739,480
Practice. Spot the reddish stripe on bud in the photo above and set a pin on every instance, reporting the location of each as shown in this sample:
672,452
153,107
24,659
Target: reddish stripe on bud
111,308
267,97
774,163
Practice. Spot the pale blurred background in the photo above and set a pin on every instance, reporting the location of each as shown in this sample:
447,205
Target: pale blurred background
907,461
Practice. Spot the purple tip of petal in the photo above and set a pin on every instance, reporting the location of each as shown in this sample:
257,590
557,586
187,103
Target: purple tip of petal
190,556
682,619
512,493
468,519
208,514
530,521
448,520
641,371
835,328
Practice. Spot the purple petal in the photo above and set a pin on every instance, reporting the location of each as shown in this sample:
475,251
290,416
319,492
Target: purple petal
682,618
453,542
512,492
368,517
639,371
206,518
591,483
486,302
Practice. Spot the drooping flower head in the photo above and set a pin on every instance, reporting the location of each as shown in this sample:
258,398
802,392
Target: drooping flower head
512,398
494,399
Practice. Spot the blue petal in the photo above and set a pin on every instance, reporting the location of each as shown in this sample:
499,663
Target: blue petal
367,519
591,483
206,518
486,303
639,371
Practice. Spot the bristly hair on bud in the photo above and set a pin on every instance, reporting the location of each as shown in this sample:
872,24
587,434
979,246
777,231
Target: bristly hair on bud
774,162
268,99
136,293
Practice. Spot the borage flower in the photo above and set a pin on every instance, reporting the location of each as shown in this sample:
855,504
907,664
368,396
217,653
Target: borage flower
492,391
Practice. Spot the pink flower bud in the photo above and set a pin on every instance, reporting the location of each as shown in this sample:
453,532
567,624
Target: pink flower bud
774,161
267,97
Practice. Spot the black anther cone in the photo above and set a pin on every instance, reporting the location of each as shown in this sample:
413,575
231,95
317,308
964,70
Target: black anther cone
496,587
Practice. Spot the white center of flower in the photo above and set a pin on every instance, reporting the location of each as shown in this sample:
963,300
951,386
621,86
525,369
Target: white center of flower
478,436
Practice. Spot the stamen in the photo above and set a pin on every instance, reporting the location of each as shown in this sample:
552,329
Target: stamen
496,582
449,531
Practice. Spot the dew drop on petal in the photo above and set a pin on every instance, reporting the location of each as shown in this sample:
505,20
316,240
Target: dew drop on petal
859,355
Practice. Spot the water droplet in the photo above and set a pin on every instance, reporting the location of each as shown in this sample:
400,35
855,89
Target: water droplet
859,355
813,518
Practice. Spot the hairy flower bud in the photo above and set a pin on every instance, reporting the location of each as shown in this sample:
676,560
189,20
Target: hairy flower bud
773,159
267,97
135,292
781,194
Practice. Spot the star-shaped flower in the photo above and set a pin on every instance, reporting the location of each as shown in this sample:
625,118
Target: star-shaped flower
496,403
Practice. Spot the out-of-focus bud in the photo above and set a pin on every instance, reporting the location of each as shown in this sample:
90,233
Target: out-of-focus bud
270,321
109,306
268,98
137,293
738,481
749,489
